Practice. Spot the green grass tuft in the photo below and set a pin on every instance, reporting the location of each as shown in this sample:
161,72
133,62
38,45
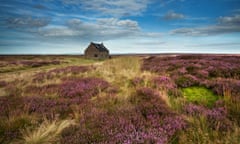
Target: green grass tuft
200,95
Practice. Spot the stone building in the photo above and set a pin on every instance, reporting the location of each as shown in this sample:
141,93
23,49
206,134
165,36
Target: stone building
96,51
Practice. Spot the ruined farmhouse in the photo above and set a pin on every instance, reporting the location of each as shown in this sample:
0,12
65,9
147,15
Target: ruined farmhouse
96,51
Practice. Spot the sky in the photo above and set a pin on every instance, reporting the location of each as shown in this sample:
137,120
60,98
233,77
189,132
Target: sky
124,26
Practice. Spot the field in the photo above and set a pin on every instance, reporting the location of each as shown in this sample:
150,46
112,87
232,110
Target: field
160,99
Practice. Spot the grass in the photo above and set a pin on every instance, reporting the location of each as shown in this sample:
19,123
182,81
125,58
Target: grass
10,127
233,107
200,95
47,133
120,71
15,72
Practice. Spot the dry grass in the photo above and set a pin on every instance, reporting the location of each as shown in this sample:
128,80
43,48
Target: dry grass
119,72
47,133
123,67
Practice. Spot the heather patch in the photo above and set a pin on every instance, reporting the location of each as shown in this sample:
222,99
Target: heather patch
186,81
217,117
202,66
3,84
225,87
82,87
164,83
148,120
137,81
48,107
8,104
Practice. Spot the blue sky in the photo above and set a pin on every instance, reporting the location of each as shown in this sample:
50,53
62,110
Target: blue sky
124,26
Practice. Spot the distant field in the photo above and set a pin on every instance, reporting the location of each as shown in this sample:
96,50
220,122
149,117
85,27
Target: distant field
171,98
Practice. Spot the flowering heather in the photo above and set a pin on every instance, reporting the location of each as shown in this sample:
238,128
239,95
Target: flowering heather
164,82
149,121
70,69
216,117
47,106
172,124
146,94
42,90
137,81
38,63
193,109
9,104
221,86
121,128
186,80
60,71
82,87
3,84
198,65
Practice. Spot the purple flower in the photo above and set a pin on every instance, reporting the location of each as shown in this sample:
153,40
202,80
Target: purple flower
164,82
217,118
83,87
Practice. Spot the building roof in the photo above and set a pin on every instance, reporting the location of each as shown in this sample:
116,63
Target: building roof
100,47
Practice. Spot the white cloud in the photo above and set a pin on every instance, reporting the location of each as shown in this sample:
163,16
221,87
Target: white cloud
101,29
167,2
150,43
220,44
58,31
226,25
232,20
171,15
27,22
129,24
111,7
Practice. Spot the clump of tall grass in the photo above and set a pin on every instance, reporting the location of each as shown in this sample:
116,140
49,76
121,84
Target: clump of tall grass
47,133
11,126
232,104
120,71
118,68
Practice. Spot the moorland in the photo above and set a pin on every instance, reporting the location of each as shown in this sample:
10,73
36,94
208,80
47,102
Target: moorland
160,99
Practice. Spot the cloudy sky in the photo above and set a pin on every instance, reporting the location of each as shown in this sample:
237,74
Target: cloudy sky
124,26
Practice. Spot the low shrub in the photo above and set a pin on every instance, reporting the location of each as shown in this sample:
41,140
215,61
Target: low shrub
83,87
3,84
186,81
216,118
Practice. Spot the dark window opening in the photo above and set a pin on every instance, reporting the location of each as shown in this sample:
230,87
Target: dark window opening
95,55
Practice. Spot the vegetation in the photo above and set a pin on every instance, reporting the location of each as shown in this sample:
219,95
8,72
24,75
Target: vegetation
126,99
199,95
47,132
